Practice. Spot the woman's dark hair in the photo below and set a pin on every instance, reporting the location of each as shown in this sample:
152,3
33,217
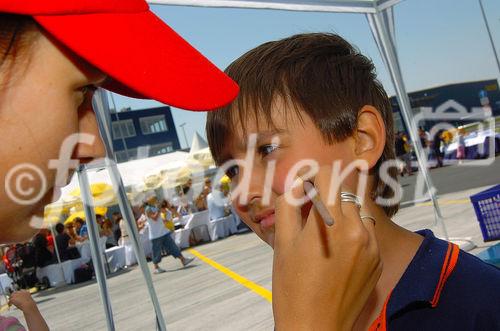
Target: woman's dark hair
16,36
59,228
79,220
320,75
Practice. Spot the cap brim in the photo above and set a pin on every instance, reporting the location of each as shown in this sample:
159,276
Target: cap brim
144,58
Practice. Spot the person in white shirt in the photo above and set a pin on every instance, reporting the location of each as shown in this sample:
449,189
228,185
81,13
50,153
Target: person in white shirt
216,202
161,239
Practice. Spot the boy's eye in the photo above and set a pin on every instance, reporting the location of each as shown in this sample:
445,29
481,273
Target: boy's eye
267,149
232,171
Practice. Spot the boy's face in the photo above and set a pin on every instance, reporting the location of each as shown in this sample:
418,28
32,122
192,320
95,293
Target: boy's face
297,141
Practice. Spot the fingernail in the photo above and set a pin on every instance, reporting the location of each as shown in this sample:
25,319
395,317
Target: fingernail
298,182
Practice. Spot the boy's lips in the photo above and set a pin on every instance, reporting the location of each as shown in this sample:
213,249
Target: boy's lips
265,219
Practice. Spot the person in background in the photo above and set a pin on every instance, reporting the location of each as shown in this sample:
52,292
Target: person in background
461,145
70,229
437,147
115,219
65,245
167,215
81,228
43,256
124,239
424,141
216,201
161,239
407,156
34,319
83,231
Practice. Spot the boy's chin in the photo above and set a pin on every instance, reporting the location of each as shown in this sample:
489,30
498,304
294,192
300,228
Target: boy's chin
268,238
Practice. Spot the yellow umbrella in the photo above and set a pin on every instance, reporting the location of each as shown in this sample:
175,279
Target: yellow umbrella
51,219
81,214
96,189
202,157
102,193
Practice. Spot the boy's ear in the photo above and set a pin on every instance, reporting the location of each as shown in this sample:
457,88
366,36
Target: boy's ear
369,135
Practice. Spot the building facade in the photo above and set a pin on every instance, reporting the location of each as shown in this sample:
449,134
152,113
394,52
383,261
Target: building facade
143,133
470,95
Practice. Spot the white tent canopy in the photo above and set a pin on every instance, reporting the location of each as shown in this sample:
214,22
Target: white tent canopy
345,6
198,143
132,172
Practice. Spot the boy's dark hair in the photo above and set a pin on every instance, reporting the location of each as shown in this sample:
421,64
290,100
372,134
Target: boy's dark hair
59,228
320,74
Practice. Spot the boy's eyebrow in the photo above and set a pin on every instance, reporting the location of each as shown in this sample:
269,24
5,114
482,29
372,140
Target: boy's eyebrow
261,137
242,145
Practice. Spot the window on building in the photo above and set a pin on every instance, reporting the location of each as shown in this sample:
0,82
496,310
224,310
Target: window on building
161,149
124,156
153,124
123,129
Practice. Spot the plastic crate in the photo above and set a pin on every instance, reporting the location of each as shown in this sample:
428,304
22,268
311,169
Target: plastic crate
487,207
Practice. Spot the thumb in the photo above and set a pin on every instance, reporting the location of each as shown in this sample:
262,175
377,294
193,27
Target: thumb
288,218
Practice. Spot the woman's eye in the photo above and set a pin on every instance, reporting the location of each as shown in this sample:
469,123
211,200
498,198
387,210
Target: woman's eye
88,89
87,92
232,171
265,150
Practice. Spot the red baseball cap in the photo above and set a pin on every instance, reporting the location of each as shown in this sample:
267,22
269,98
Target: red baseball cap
143,57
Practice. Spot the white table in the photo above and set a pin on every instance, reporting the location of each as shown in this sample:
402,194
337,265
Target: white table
60,274
5,282
115,258
181,236
222,227
130,258
84,249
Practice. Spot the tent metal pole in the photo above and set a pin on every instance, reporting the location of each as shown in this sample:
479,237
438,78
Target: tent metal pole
57,251
381,33
101,109
95,248
133,233
489,34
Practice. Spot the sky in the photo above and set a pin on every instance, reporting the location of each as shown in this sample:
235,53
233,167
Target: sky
438,42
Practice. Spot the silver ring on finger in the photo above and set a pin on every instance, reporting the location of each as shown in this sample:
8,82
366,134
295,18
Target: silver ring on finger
370,218
349,197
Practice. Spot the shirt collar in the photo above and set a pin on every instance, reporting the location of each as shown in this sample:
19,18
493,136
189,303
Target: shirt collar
421,278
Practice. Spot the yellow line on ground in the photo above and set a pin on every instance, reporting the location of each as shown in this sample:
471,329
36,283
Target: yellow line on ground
262,291
446,202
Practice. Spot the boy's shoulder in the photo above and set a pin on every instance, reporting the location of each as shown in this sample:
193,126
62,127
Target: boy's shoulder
445,288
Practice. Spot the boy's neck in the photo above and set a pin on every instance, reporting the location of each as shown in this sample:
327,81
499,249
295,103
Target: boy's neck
397,247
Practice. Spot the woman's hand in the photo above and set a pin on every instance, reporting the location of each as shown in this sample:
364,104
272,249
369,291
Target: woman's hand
322,275
22,300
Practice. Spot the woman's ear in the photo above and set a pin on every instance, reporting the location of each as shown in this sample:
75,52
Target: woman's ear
369,135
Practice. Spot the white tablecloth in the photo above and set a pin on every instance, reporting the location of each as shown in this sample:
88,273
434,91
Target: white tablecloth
115,258
222,227
60,274
130,258
84,249
5,282
181,236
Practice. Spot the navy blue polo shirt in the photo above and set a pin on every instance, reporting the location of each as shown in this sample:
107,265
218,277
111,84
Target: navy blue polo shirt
443,288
